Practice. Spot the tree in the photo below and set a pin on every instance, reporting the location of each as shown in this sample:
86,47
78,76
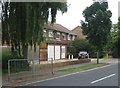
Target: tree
97,24
118,37
112,38
23,23
115,49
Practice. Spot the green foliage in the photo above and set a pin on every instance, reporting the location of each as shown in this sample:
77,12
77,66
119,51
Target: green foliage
116,44
81,68
79,45
97,23
7,55
15,66
23,23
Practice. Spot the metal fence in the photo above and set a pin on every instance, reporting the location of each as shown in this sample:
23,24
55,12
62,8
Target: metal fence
26,68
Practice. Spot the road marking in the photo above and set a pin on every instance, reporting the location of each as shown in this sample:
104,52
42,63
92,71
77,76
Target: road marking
102,78
67,75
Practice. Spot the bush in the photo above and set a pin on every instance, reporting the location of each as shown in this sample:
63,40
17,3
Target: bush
79,45
94,54
7,55
115,53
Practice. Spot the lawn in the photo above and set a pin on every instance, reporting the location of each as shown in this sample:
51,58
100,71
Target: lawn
81,68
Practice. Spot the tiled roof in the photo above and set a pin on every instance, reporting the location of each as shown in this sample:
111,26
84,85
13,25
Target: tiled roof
59,28
77,30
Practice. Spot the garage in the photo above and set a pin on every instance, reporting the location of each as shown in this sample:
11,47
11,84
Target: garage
57,52
50,52
63,52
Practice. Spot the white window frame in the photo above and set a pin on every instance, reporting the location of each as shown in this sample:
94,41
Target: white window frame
44,33
50,34
69,37
73,38
59,35
64,38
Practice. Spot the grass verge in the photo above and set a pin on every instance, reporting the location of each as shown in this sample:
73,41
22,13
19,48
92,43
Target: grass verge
81,68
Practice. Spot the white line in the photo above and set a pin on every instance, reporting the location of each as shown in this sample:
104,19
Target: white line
67,75
102,78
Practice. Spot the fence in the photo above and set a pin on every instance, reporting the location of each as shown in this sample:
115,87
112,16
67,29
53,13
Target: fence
26,68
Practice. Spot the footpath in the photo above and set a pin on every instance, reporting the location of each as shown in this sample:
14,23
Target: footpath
5,81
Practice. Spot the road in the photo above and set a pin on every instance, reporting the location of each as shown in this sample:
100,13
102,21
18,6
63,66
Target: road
105,76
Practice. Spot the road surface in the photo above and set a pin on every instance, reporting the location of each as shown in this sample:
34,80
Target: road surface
105,76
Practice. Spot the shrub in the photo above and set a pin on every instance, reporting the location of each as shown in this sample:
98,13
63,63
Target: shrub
7,55
79,45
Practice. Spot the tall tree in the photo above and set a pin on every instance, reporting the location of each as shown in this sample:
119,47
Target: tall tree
23,23
118,37
116,44
112,38
97,24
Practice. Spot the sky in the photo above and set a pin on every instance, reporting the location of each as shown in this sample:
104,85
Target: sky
73,16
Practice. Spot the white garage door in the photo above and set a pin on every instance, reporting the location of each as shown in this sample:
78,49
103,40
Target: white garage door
57,52
63,52
50,52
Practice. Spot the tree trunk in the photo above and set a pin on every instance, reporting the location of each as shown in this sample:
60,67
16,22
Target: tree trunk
25,51
97,57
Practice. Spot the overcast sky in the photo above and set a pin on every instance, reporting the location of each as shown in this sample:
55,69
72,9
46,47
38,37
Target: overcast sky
72,18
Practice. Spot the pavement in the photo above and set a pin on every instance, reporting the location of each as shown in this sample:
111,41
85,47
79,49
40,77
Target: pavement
49,76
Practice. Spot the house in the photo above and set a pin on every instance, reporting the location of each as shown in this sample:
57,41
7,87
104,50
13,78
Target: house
78,30
56,40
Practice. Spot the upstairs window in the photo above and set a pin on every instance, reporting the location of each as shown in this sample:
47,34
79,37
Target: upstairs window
44,33
57,35
50,34
69,37
63,36
73,38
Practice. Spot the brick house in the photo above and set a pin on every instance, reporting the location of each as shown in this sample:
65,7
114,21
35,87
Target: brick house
56,40
78,30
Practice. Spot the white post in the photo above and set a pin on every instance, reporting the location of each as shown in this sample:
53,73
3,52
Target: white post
69,57
72,56
8,70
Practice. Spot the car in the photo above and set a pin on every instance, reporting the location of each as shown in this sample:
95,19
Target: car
83,54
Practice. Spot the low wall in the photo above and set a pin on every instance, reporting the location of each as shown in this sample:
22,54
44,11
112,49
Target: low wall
62,64
71,62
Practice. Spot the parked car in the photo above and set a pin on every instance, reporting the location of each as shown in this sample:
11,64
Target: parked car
83,54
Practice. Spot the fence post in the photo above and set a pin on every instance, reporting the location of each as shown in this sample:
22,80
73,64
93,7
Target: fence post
52,66
8,70
33,67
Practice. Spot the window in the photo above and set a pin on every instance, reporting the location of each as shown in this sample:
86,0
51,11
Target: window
68,37
50,34
63,36
44,33
73,37
58,35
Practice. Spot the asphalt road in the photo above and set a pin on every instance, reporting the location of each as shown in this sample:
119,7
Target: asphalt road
106,76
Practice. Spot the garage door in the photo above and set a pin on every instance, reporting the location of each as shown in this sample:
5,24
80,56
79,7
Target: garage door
50,52
63,52
57,52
